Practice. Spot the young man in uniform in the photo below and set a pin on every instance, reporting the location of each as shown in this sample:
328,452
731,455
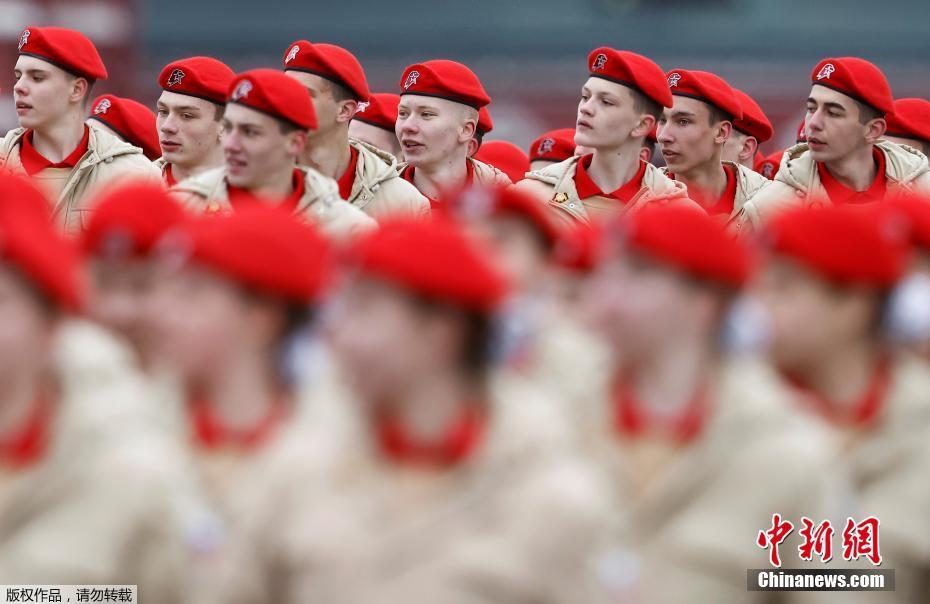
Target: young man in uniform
844,159
437,481
86,485
620,103
190,116
679,425
266,121
373,123
130,120
692,134
826,287
748,132
367,177
54,73
436,121
909,124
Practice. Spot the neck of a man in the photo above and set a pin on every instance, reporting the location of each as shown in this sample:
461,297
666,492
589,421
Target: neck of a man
428,406
667,381
706,181
58,139
449,173
275,186
213,159
328,152
843,376
613,167
856,170
18,394
243,391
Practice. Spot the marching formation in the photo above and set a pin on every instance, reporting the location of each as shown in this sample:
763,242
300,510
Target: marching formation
285,340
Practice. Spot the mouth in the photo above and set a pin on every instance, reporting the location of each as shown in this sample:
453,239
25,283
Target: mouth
409,145
169,145
22,107
816,142
235,165
582,124
670,155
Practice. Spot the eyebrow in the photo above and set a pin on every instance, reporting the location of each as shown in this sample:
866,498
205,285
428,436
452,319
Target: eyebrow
828,104
681,113
31,71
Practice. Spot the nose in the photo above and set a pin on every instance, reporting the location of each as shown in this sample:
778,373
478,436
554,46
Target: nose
663,134
584,108
230,141
814,121
408,124
19,88
166,125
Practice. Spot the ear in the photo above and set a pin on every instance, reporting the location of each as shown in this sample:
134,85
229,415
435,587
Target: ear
472,147
80,88
644,127
749,148
467,131
875,129
723,132
645,154
297,142
346,111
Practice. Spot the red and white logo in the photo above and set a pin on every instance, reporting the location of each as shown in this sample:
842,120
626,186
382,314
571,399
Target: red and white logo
362,107
292,54
24,38
242,90
673,79
599,62
825,71
175,78
103,106
545,146
412,78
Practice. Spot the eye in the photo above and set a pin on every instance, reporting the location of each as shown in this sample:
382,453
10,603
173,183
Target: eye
428,114
187,116
834,114
585,97
662,121
163,112
608,103
683,122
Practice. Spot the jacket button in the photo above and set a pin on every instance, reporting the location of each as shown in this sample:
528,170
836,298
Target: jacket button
375,187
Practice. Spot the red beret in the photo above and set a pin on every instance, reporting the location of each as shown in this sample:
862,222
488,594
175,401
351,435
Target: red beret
578,248
801,136
130,219
275,94
506,157
856,78
555,145
263,248
29,241
769,165
418,255
66,48
631,70
914,209
754,123
132,121
689,240
328,61
446,80
707,87
478,202
911,119
485,123
863,246
379,111
201,77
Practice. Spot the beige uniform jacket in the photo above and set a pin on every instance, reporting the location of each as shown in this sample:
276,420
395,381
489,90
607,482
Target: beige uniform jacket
378,190
798,183
555,185
320,203
108,160
99,507
521,521
748,184
483,174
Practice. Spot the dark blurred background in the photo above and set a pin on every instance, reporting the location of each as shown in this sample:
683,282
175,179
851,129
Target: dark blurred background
529,54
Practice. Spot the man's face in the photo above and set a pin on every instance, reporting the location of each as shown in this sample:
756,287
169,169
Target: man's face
686,136
606,117
42,92
122,294
637,304
255,147
386,140
383,340
431,130
198,319
26,330
188,130
832,125
810,317
325,104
